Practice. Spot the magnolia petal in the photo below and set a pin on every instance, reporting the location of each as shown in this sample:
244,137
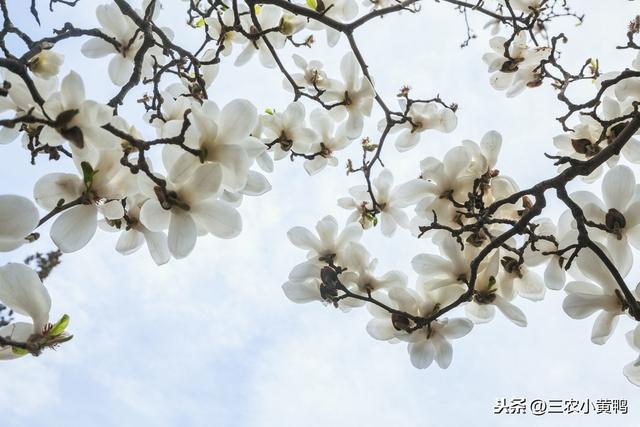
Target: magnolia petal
18,217
72,90
444,351
129,241
480,313
618,186
158,246
182,235
219,218
457,328
510,311
153,216
603,327
22,290
304,239
53,187
421,354
302,292
120,70
74,228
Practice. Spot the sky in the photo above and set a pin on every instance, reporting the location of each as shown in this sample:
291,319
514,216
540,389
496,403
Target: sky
212,341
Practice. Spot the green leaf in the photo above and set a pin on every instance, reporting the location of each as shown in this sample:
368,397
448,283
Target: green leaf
199,23
87,174
269,111
60,326
313,4
19,351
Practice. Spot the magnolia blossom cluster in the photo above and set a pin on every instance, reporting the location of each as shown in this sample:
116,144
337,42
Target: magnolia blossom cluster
339,271
211,156
185,171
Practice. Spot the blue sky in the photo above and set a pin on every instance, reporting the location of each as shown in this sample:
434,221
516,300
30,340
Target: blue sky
211,340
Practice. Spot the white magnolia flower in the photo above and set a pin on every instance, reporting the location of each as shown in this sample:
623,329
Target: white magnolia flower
129,38
312,76
133,234
585,142
423,116
358,261
356,93
514,74
46,64
521,279
600,294
452,267
189,207
18,218
226,18
489,294
328,243
619,212
632,370
430,341
22,291
100,189
447,179
79,120
331,140
391,201
289,130
223,137
19,101
339,10
484,156
307,284
269,17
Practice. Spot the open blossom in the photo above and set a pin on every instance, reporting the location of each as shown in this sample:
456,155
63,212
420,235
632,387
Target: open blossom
390,200
23,292
331,140
269,17
423,116
489,294
585,141
516,73
224,138
358,261
452,267
227,38
287,131
46,64
133,234
599,294
447,179
189,206
100,189
618,212
18,218
78,120
312,77
339,10
129,40
427,343
328,242
356,93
